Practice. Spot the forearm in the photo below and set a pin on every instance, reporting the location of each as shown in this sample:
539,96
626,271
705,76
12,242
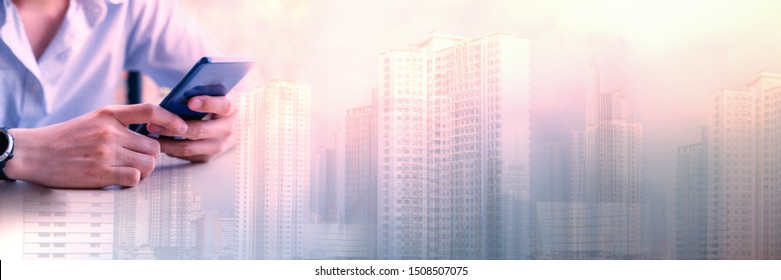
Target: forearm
94,150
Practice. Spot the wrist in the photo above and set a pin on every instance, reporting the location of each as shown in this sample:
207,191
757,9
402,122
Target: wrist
15,168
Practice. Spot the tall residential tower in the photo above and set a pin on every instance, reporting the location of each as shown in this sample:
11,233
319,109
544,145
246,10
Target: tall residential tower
273,171
606,176
453,149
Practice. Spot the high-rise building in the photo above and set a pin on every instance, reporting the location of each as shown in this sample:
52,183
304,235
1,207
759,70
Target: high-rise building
228,237
402,146
273,171
126,224
336,241
361,165
606,176
552,203
732,194
324,194
484,87
453,149
68,224
744,197
247,129
361,172
439,196
767,89
555,165
691,201
210,238
171,211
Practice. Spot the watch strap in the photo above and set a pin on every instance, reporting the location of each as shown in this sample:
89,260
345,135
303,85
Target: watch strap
3,162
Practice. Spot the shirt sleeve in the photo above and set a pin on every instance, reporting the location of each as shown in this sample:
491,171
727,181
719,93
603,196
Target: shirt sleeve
164,41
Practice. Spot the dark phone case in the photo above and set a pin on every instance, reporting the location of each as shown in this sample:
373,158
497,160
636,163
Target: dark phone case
212,76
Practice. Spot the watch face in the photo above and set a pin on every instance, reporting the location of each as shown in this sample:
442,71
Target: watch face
3,142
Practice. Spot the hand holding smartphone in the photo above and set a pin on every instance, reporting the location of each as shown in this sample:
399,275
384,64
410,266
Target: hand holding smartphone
214,76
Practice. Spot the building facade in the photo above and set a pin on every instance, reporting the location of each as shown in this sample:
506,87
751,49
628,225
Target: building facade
284,151
75,225
767,89
691,201
453,149
607,176
273,171
744,194
402,146
732,213
172,212
361,173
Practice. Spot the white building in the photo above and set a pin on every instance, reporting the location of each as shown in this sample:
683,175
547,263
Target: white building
127,224
745,171
453,126
336,241
402,159
247,128
606,176
552,209
324,191
689,233
60,224
172,211
767,89
273,171
732,194
361,173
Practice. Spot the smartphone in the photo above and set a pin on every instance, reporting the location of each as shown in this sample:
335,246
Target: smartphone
214,76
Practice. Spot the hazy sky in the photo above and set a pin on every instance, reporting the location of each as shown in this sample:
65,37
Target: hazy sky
666,56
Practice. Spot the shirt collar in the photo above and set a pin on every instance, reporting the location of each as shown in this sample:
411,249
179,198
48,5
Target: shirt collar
95,17
80,19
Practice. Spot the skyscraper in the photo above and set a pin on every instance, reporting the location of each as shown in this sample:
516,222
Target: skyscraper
453,149
324,190
607,158
486,82
691,201
327,185
555,165
361,165
732,193
552,204
273,170
440,226
68,224
402,146
171,211
125,224
361,172
744,196
228,237
767,89
247,130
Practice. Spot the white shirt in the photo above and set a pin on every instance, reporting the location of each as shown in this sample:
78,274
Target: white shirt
80,69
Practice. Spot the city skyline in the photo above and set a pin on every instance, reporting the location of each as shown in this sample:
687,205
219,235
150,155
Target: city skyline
741,133
697,223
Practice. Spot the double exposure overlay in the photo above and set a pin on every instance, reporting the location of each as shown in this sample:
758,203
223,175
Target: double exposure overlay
462,130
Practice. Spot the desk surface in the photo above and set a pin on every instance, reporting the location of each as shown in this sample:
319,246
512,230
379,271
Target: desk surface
181,211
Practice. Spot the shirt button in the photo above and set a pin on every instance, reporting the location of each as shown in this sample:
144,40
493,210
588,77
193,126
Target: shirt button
36,87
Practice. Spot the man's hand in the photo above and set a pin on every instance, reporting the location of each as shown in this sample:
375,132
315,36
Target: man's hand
205,139
92,151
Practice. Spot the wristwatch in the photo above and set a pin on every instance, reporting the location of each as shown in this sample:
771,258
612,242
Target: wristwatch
6,151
